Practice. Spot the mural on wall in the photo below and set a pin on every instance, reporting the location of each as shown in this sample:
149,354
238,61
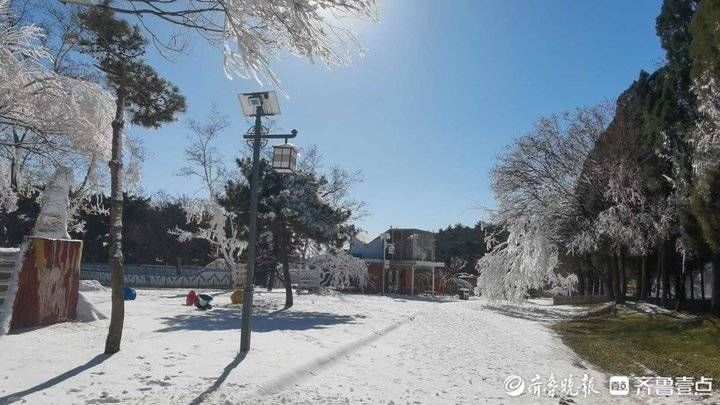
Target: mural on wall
47,283
44,273
162,276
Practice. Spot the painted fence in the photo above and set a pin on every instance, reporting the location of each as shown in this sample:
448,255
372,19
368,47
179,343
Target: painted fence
161,276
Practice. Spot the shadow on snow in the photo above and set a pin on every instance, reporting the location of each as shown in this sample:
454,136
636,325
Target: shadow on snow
229,319
220,380
55,380
530,314
422,298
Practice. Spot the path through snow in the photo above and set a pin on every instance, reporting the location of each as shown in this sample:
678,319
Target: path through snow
326,349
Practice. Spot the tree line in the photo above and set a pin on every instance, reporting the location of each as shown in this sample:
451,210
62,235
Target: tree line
624,195
460,246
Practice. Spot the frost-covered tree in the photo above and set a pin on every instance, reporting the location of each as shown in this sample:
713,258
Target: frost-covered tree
147,100
643,189
454,266
251,33
627,220
220,229
535,183
210,220
201,155
525,261
564,285
338,269
47,119
449,274
705,195
8,198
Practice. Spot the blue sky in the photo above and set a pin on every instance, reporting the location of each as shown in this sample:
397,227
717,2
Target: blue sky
443,88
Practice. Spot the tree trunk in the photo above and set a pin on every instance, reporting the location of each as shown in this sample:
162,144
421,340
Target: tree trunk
715,303
658,274
614,279
15,162
665,280
642,282
692,283
288,282
117,314
702,281
680,278
662,276
610,280
622,281
270,280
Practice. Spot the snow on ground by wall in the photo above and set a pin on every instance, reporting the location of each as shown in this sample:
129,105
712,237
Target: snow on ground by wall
326,349
87,311
91,285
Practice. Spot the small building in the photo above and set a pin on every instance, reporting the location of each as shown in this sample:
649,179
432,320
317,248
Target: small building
400,261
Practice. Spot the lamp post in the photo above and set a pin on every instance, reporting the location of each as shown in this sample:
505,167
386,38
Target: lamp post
258,105
386,248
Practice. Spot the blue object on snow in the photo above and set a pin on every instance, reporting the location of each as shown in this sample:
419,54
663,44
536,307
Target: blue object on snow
129,294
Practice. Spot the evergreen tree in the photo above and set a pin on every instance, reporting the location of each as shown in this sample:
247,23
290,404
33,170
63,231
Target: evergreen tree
464,242
705,47
705,54
147,99
706,205
293,212
146,232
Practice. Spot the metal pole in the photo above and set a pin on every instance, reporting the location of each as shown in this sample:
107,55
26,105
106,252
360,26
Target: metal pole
250,277
433,281
412,280
383,266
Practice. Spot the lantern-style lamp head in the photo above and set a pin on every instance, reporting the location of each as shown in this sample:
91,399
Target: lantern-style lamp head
284,158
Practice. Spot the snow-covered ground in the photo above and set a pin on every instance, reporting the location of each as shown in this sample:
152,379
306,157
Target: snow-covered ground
326,349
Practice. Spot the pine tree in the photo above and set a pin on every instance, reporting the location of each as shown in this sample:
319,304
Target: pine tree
147,99
293,210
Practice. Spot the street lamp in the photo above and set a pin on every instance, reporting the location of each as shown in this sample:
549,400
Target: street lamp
284,158
259,105
387,248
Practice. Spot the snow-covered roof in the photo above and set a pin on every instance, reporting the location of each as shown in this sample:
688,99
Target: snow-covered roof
413,230
364,237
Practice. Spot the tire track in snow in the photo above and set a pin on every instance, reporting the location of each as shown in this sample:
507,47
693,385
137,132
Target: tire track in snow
312,368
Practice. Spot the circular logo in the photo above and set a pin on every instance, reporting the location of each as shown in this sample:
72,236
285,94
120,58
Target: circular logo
514,385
